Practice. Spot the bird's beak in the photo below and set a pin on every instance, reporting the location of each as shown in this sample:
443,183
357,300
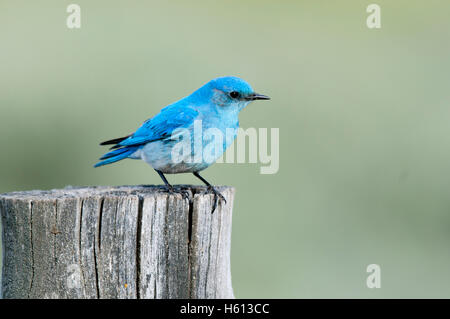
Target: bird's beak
256,96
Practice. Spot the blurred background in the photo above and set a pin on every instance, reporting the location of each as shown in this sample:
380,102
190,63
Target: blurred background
363,115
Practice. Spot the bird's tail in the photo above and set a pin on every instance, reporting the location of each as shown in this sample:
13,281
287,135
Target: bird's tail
116,155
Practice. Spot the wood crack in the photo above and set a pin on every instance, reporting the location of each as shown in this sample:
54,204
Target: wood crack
80,232
166,246
189,252
54,232
138,247
97,246
32,249
209,248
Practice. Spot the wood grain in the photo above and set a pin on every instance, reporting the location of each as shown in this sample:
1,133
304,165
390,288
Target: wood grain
116,242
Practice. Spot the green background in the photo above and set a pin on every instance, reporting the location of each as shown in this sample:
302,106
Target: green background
363,116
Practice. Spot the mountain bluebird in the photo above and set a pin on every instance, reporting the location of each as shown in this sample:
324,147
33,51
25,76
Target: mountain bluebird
216,105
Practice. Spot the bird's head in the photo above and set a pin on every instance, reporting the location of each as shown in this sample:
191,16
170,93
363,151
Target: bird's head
230,92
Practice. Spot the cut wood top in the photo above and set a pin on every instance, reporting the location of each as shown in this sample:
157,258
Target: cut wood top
123,190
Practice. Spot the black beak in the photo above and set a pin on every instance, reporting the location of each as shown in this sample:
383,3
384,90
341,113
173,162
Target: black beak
256,96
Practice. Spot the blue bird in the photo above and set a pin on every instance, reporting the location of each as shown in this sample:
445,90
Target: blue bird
215,105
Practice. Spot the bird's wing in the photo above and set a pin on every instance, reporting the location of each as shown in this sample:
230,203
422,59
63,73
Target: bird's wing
162,125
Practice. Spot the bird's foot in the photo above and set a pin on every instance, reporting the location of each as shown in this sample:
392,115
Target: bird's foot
217,196
184,193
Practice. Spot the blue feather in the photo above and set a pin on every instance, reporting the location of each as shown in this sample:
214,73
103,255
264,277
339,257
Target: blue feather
177,115
116,155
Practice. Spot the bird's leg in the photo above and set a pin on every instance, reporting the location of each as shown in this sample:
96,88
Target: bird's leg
170,188
211,188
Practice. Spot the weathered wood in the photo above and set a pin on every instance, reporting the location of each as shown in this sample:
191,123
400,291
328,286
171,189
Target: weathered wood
116,242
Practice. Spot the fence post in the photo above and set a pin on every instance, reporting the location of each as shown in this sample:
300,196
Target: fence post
116,242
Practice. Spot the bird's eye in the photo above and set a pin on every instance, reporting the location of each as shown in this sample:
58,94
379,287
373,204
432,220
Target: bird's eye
234,94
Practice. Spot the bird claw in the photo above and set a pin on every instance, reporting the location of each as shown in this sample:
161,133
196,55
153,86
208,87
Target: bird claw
185,194
217,196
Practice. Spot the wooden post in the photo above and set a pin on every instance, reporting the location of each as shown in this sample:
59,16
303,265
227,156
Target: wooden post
116,242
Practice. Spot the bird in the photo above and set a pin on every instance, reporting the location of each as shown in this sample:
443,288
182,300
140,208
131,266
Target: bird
215,105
